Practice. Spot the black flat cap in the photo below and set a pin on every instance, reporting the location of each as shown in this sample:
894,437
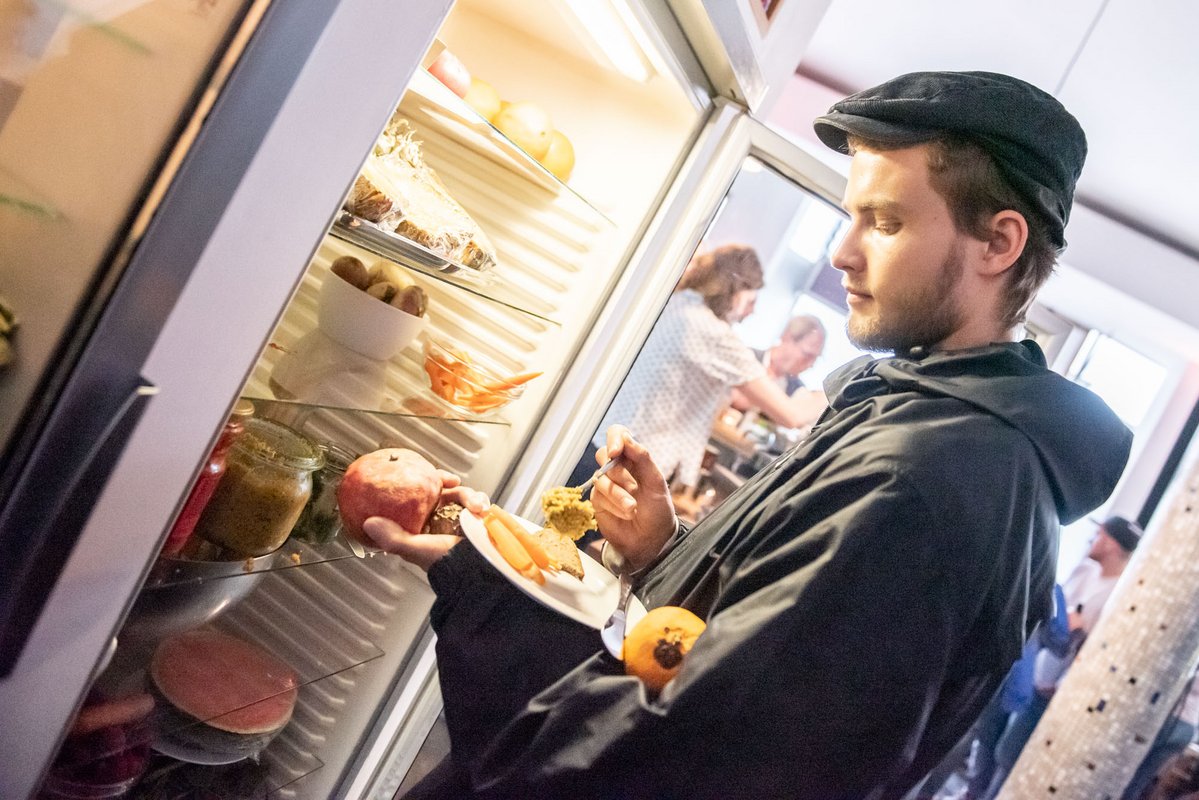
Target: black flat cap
1037,145
1125,532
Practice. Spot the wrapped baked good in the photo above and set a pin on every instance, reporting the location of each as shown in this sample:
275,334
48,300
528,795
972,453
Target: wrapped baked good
368,201
399,192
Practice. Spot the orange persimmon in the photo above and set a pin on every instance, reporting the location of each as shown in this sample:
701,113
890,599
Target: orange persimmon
655,647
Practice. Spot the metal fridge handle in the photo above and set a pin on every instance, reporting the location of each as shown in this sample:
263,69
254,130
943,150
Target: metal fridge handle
48,511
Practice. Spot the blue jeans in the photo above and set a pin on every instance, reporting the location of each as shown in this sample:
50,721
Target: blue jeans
1020,726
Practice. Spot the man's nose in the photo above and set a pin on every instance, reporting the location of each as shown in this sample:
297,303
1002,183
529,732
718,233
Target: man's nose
847,255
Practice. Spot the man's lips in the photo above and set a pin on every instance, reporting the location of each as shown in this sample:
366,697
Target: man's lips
855,294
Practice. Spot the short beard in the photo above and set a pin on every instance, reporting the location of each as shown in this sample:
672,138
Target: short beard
922,317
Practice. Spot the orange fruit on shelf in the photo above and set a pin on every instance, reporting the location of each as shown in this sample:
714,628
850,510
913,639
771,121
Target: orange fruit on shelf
656,646
528,125
482,97
560,158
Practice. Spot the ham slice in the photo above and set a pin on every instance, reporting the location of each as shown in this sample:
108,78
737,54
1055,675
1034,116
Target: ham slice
230,684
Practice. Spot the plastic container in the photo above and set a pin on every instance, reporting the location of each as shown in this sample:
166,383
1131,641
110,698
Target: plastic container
320,521
101,761
267,482
466,382
210,476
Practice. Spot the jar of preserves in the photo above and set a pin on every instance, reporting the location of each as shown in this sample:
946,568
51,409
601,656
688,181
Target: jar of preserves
210,476
320,520
267,482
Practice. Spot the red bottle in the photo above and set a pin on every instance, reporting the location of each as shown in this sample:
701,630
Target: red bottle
210,476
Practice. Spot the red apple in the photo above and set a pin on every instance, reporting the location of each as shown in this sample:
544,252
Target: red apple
395,483
450,70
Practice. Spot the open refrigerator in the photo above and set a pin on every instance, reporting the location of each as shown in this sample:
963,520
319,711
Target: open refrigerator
211,290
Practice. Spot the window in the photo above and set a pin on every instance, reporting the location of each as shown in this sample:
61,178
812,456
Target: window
1126,380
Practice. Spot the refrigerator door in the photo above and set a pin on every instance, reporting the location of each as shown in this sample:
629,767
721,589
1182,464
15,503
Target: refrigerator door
729,139
748,48
96,111
206,277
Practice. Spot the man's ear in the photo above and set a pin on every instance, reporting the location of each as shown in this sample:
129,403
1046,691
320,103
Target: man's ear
1008,235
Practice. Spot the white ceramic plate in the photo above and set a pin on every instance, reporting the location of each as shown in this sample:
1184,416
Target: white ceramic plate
589,601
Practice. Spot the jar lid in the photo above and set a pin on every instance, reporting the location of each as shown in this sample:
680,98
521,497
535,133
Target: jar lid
276,443
242,409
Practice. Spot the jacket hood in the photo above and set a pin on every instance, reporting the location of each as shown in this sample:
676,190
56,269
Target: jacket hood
1081,442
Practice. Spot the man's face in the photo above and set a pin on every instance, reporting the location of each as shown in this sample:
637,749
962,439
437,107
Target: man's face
1102,546
794,356
902,257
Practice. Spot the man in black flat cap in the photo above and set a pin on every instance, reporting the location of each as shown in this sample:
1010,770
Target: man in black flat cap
865,593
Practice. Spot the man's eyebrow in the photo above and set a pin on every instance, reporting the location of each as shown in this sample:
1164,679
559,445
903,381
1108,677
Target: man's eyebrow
875,206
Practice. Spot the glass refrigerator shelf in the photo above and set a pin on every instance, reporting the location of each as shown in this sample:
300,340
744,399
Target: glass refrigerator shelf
426,408
428,98
392,246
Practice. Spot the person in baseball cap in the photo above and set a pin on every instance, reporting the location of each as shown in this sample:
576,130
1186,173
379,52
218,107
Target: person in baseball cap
1123,532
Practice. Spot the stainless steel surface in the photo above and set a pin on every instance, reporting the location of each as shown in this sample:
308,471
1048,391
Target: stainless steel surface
723,44
181,594
612,633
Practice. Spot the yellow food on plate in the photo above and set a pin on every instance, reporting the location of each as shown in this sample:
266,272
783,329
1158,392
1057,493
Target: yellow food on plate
567,512
528,125
560,158
482,97
654,649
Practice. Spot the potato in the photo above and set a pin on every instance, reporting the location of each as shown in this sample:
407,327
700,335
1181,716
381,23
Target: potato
411,300
352,271
392,273
383,290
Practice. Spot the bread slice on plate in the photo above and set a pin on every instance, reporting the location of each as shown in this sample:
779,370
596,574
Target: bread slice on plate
562,551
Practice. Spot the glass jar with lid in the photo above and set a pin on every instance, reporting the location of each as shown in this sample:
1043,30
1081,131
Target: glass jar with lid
320,520
267,482
210,476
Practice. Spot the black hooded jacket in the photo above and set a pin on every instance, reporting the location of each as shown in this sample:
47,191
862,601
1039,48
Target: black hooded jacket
864,595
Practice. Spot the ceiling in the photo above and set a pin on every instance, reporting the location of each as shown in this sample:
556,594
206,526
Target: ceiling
1128,70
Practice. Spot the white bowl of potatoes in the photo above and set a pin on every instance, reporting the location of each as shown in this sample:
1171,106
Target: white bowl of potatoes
376,312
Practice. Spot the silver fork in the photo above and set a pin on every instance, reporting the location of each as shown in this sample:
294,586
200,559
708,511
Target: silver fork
585,485
612,633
